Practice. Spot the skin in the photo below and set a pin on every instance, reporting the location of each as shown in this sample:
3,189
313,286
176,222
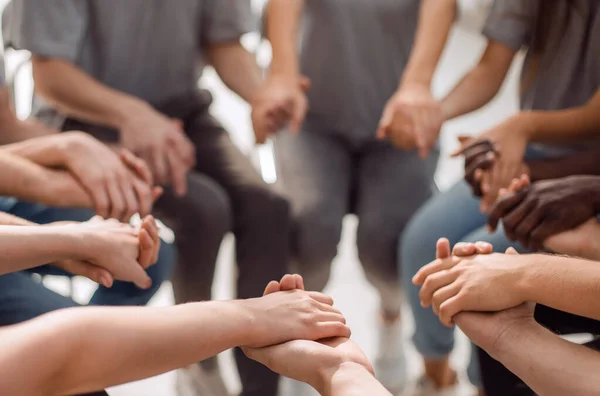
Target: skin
119,183
168,335
534,212
335,366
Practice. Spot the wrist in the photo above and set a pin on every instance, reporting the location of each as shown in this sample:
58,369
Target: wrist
248,330
516,334
342,379
527,124
126,111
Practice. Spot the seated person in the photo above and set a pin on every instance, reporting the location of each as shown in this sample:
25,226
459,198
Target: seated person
560,102
490,296
131,77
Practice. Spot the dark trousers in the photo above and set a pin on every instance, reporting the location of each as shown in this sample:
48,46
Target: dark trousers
225,194
499,381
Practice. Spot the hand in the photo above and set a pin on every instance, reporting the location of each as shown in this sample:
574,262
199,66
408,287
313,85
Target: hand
483,282
281,100
162,142
124,251
509,140
119,185
582,241
412,118
307,361
546,208
490,330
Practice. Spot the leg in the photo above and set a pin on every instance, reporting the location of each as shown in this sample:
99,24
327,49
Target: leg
452,214
260,224
315,174
391,186
122,293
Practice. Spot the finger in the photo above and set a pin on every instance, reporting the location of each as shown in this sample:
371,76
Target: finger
464,249
272,287
442,248
433,283
448,309
117,202
305,83
331,317
137,165
323,307
101,199
288,282
484,162
128,192
434,267
320,297
299,282
513,219
484,247
468,145
503,206
298,116
146,248
526,226
159,165
385,123
145,197
332,329
90,271
511,250
543,231
442,295
479,152
178,172
151,227
157,192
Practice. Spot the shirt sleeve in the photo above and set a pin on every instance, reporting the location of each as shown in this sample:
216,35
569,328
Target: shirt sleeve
227,20
511,22
54,28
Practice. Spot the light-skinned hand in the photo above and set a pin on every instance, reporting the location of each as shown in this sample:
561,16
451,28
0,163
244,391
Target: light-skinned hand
412,119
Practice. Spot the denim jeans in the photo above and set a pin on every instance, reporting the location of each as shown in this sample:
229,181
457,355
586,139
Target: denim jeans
455,215
23,298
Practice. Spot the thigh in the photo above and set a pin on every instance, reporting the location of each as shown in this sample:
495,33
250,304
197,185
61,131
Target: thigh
314,174
23,298
391,186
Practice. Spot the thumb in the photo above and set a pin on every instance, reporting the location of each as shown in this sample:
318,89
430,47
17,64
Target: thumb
157,192
384,124
512,251
442,248
464,141
305,83
298,117
423,146
272,287
90,271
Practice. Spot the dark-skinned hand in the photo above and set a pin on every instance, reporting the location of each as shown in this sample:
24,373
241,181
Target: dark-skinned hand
535,212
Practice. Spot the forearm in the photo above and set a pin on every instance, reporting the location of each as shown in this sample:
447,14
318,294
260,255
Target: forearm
126,344
6,219
77,94
31,182
283,25
481,84
352,379
13,129
574,124
236,67
436,18
563,283
581,163
548,364
31,246
47,151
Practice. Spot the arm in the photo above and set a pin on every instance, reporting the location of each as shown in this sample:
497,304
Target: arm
6,219
435,21
13,129
31,182
550,365
583,163
73,92
127,344
482,83
236,67
353,379
283,25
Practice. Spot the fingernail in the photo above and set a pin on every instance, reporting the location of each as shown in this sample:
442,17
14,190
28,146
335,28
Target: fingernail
483,245
106,281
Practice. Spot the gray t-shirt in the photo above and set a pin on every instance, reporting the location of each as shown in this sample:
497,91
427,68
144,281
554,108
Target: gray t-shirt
148,48
568,74
355,52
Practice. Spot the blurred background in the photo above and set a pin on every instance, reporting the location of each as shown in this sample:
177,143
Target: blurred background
354,296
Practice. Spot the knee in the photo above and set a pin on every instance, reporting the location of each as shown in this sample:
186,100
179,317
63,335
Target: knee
264,206
316,236
377,244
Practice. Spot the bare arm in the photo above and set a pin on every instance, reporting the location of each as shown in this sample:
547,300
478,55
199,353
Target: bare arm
563,283
581,163
435,21
6,219
548,364
13,129
352,379
73,92
481,84
283,25
236,67
26,180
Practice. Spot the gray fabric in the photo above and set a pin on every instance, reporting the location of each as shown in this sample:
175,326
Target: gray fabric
355,52
324,179
568,74
148,48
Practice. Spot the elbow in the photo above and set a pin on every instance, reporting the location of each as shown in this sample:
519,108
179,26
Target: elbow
43,76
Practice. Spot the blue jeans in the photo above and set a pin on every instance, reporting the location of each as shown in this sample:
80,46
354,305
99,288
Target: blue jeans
23,298
455,215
